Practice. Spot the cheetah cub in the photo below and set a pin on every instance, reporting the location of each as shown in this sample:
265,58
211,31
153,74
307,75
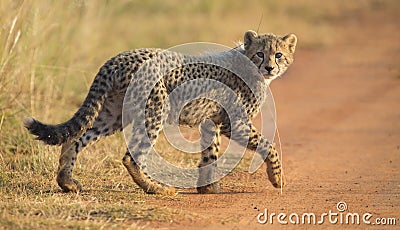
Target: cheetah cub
101,112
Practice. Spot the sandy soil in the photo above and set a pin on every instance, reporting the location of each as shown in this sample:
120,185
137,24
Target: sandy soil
338,113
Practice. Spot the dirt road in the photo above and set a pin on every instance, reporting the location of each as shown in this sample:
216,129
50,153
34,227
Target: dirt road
338,111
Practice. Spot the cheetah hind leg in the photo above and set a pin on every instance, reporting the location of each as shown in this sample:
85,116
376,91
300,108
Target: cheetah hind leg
66,165
274,169
70,150
143,181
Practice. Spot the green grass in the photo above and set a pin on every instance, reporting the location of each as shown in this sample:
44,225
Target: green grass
49,53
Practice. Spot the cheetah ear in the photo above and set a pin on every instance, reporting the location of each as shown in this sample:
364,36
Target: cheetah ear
249,38
291,41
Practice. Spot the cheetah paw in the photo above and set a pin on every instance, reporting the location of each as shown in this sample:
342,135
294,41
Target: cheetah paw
71,186
209,189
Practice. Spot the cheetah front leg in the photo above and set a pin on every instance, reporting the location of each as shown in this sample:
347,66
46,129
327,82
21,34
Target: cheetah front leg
274,169
143,139
254,140
142,180
210,143
136,163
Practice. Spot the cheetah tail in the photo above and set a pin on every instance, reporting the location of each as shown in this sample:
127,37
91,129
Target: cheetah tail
75,127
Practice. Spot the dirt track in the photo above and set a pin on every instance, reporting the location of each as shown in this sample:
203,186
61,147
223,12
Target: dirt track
338,113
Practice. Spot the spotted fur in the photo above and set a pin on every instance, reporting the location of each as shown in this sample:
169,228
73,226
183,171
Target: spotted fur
101,112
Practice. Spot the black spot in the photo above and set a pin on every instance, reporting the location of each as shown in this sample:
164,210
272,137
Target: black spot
97,132
101,91
205,159
103,84
76,147
213,157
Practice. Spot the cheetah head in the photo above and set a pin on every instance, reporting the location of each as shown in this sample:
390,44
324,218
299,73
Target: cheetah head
270,53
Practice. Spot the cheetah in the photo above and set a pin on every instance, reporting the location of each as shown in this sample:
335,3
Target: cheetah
101,113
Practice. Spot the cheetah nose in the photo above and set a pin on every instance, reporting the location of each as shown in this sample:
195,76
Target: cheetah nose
269,68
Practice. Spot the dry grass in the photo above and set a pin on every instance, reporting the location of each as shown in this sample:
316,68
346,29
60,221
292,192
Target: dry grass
49,53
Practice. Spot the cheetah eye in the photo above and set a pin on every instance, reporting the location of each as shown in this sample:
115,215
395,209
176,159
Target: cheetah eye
278,55
260,54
